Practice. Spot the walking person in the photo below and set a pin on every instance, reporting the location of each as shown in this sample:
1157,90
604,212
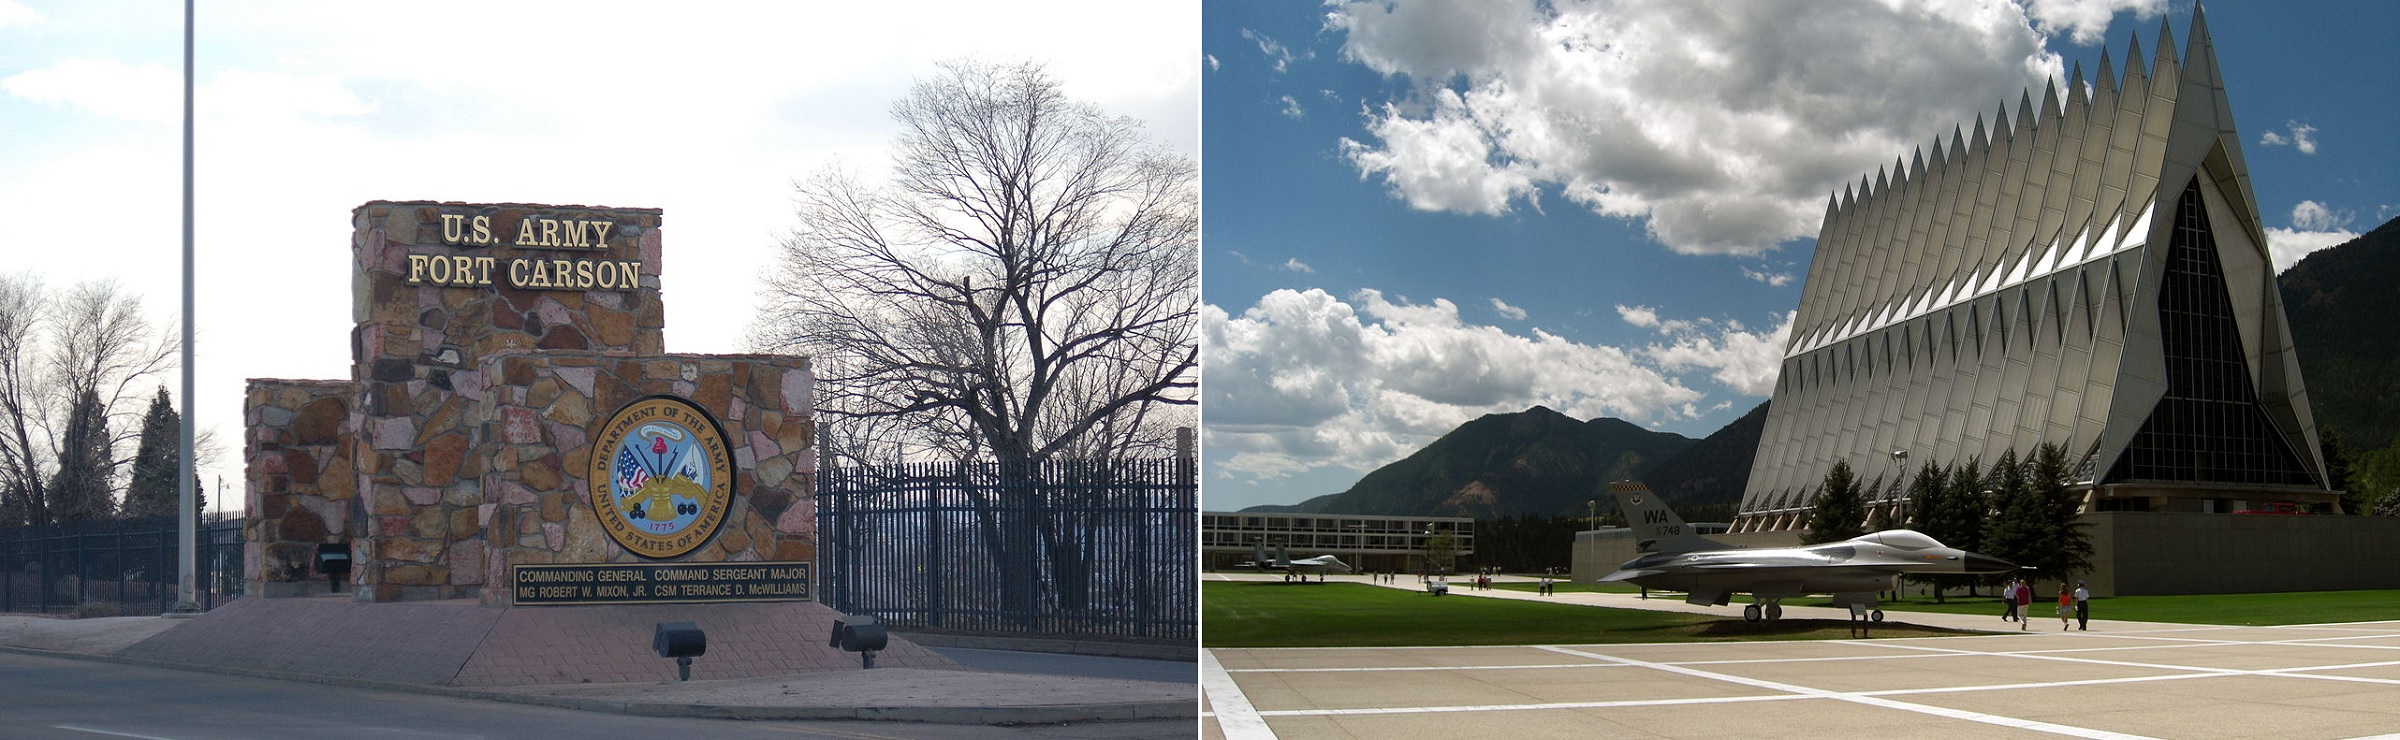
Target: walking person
2083,607
2066,605
2008,600
2024,604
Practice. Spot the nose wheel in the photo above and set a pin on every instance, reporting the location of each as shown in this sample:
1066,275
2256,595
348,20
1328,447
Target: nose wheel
1750,613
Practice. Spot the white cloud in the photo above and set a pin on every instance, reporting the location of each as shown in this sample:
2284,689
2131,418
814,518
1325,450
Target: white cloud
1506,311
1775,279
2303,138
1303,380
2310,215
2087,20
13,14
1647,318
1274,51
1290,265
1699,118
148,93
1292,109
1213,65
1746,361
2288,246
2315,226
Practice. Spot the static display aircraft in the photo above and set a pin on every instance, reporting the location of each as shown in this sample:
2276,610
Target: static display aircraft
1710,572
1283,561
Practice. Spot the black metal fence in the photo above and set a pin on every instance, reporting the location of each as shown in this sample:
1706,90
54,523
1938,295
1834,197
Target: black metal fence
1063,549
125,568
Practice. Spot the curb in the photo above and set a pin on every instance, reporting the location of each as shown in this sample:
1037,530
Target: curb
1189,653
1050,714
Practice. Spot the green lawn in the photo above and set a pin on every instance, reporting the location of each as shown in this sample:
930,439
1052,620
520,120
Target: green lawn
2308,607
1275,614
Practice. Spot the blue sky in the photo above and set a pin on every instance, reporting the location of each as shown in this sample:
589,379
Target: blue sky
709,111
1418,213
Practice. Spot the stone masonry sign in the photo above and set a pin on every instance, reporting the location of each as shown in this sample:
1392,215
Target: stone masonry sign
512,419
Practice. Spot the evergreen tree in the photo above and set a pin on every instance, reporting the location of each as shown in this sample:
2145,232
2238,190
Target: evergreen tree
1839,508
151,491
2013,534
2337,472
1967,508
2059,546
1928,500
83,488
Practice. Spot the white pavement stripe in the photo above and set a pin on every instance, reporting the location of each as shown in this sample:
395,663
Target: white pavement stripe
1990,719
1235,717
110,733
1406,668
1529,707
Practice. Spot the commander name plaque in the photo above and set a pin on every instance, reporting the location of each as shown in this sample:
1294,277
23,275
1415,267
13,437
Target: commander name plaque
660,583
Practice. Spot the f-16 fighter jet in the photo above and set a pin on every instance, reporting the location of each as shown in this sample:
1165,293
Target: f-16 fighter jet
1283,561
1709,572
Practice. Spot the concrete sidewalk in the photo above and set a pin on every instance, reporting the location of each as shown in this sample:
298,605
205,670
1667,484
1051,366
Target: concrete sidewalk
954,695
2043,620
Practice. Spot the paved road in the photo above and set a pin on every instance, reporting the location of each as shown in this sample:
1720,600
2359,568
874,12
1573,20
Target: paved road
43,697
1057,664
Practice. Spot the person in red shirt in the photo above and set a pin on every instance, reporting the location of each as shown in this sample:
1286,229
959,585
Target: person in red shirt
2066,606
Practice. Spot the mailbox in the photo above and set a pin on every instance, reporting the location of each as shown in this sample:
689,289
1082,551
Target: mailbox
333,560
681,641
860,634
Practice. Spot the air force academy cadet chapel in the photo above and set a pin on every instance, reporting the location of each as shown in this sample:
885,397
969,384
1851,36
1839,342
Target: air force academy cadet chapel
2090,272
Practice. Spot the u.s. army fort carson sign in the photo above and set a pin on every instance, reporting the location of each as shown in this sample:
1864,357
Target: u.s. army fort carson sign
514,431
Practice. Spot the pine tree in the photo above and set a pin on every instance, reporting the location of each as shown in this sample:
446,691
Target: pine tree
2060,547
151,492
1966,517
1838,509
83,489
1928,504
2014,529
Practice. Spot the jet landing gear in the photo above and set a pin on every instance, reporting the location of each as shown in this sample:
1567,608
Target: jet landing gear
1772,611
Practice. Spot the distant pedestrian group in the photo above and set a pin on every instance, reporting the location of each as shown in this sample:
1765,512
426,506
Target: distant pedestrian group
2074,606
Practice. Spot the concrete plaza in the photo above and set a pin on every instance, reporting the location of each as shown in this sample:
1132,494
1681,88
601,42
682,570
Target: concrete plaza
2118,680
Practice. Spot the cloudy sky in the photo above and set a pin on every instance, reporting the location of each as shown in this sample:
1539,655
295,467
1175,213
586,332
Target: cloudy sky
1419,212
307,109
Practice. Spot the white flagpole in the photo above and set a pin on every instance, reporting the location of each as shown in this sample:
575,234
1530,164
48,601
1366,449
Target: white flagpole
187,601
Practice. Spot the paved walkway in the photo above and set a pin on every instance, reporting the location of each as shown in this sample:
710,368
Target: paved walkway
936,689
2118,680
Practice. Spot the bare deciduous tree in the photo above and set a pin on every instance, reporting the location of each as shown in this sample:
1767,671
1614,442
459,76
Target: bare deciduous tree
1023,288
88,347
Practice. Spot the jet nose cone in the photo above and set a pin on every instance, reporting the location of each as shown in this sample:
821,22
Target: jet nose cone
1987,564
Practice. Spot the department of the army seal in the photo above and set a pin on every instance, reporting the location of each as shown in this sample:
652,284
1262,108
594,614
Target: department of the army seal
661,477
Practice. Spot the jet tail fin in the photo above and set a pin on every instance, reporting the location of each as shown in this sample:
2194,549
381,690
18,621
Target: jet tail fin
1283,555
1259,556
1656,528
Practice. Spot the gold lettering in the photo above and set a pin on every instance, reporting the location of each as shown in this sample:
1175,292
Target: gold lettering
562,274
450,227
583,272
525,233
549,232
601,241
462,271
483,230
574,235
483,265
416,269
438,269
629,275
516,272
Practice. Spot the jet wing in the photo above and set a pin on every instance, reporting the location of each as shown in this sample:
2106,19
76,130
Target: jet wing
1627,575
